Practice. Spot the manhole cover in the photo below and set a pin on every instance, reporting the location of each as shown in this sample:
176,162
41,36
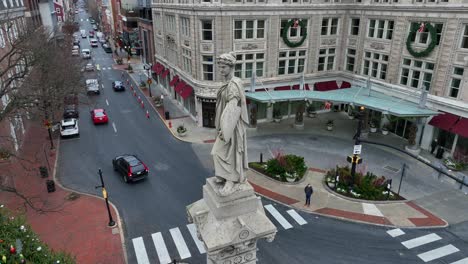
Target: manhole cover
390,168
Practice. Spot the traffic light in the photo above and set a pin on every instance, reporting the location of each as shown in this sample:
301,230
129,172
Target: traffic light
354,159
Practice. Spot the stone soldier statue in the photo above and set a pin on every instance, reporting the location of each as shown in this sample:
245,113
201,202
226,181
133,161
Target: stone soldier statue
230,148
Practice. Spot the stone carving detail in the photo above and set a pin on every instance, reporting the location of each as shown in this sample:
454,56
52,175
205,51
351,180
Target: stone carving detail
328,41
352,42
249,46
377,46
187,43
244,234
206,47
170,39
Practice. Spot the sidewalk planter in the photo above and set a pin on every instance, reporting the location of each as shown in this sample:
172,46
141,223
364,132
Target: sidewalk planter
158,102
43,171
4,154
181,131
311,111
373,128
277,116
284,168
384,131
330,125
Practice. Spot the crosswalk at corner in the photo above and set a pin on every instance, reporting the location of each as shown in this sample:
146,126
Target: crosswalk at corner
99,68
435,247
185,236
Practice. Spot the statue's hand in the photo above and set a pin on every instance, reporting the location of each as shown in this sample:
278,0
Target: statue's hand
220,135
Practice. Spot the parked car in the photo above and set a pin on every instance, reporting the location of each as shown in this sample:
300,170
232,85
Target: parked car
70,111
95,27
92,86
89,67
69,127
92,21
94,43
83,33
86,53
75,52
99,116
106,48
130,167
76,42
118,86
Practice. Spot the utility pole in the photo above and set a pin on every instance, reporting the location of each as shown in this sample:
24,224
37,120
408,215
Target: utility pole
355,158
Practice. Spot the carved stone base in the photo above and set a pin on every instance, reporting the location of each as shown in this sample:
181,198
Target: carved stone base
230,226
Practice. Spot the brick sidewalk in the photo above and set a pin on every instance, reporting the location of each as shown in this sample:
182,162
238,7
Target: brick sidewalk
77,226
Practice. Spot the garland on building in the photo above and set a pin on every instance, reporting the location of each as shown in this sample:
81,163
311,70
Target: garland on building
412,35
294,23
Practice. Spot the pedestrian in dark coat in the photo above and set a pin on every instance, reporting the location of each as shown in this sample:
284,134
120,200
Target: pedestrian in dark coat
308,192
433,145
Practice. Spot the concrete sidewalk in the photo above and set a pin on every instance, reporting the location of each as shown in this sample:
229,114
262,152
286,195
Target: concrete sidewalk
402,214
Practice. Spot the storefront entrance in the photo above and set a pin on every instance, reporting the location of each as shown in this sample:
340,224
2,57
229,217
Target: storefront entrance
209,114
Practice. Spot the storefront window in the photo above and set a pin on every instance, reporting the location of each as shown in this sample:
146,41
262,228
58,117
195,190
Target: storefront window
261,110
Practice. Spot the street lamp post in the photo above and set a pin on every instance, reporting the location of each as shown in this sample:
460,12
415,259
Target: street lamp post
104,194
355,158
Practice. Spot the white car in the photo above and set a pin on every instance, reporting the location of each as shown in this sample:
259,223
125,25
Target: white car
94,42
69,127
89,67
92,86
86,53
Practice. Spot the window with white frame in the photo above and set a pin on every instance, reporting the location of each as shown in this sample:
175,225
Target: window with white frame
350,60
423,37
456,82
294,32
170,23
2,38
15,29
157,21
207,66
187,60
185,26
326,59
375,65
207,29
382,29
247,64
249,29
464,40
329,26
291,62
416,73
354,26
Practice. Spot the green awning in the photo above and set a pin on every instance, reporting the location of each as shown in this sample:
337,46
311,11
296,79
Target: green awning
357,96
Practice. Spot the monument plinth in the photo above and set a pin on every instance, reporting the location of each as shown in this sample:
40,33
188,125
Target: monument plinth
230,226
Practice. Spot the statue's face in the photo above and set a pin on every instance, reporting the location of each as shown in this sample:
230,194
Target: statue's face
224,69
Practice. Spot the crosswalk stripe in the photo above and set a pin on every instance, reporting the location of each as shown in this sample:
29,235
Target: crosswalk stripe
161,248
296,217
109,68
278,216
371,209
140,251
395,232
461,261
438,253
180,243
416,242
193,232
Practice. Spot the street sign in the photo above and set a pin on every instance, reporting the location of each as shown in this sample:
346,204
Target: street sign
357,149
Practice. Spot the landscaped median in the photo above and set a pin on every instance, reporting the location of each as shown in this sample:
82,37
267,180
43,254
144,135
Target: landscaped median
284,168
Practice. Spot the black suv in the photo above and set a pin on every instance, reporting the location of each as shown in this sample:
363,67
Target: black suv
130,167
118,86
70,111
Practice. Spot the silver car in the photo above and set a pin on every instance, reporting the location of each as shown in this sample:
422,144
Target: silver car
92,86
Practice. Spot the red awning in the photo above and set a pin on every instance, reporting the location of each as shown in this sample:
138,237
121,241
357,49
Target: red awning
174,80
345,85
159,69
260,90
444,121
306,86
186,92
283,88
164,74
156,66
461,127
330,85
178,88
296,87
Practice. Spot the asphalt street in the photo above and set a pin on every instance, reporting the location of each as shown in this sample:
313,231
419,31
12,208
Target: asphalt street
156,206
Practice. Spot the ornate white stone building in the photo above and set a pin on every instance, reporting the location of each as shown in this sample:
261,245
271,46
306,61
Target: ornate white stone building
343,40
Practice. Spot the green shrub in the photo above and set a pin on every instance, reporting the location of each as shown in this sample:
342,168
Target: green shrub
282,166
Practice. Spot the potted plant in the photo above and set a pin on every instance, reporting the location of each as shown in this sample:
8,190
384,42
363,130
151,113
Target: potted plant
142,84
330,125
373,127
119,61
311,111
130,68
331,182
181,130
277,115
158,102
4,154
385,129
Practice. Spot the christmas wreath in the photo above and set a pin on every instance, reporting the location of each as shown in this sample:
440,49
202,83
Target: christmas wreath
432,44
295,23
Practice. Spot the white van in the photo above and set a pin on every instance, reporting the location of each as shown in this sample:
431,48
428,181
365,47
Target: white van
83,33
86,53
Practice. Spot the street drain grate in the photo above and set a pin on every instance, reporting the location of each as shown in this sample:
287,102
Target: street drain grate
390,168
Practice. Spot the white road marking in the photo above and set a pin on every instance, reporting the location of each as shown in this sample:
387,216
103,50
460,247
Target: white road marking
140,251
461,261
107,102
395,232
438,253
102,86
193,232
283,222
297,217
81,19
109,68
87,19
161,248
371,209
180,243
419,241
113,125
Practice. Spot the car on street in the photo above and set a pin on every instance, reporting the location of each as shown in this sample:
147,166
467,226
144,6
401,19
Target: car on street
69,127
89,67
106,48
99,116
92,86
83,33
76,42
118,86
95,27
91,33
70,111
92,21
86,53
75,52
94,43
130,167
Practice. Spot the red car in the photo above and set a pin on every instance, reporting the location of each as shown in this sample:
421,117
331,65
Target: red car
91,33
99,116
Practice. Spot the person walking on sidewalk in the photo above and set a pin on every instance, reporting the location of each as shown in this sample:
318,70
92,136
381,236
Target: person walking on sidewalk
308,192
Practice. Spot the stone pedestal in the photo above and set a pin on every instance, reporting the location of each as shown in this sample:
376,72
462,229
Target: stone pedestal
230,226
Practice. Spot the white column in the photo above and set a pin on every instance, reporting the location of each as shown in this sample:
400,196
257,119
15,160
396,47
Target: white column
454,145
269,114
198,109
427,136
